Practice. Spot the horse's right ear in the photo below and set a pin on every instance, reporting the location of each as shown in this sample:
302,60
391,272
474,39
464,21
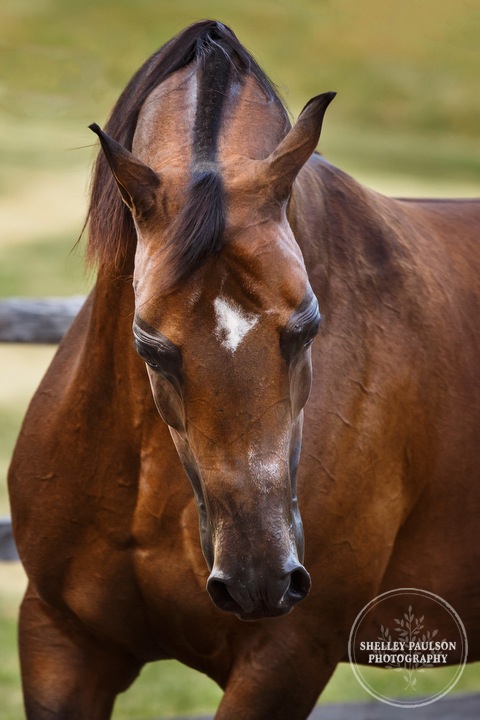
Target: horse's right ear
136,181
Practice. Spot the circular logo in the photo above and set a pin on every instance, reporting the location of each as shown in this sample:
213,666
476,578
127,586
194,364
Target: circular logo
409,634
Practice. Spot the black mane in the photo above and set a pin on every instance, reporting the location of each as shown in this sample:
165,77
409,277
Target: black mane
197,231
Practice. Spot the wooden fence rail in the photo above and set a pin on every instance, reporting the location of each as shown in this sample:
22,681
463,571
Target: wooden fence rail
46,320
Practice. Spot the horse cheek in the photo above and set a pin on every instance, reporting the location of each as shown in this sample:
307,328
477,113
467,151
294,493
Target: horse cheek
168,402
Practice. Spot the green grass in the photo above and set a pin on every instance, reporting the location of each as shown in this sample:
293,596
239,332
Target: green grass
168,689
406,116
9,681
344,687
47,266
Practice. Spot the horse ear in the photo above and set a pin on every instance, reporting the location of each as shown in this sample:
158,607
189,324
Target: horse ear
136,181
287,160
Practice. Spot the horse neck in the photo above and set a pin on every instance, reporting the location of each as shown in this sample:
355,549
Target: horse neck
108,348
348,234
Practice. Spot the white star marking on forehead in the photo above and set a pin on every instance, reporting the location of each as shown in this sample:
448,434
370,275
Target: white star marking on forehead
233,324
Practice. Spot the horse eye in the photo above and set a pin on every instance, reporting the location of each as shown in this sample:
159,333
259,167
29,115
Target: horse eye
148,354
307,333
312,331
162,357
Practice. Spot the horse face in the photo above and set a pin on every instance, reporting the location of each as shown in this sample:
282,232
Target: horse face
228,357
227,349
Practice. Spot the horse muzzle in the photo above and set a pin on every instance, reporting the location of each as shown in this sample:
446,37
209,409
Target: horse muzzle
259,597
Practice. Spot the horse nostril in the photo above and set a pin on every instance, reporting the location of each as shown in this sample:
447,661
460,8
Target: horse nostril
300,584
218,591
223,598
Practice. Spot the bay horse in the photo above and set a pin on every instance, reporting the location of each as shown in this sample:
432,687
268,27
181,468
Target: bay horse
158,478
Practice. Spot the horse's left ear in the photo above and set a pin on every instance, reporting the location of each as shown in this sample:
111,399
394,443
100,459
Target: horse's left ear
136,181
287,160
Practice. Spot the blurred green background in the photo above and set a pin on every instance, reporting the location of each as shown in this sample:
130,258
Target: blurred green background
406,121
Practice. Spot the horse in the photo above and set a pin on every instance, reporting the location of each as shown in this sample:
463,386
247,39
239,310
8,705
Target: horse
175,491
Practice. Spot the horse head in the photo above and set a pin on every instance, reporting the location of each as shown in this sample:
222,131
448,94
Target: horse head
225,315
